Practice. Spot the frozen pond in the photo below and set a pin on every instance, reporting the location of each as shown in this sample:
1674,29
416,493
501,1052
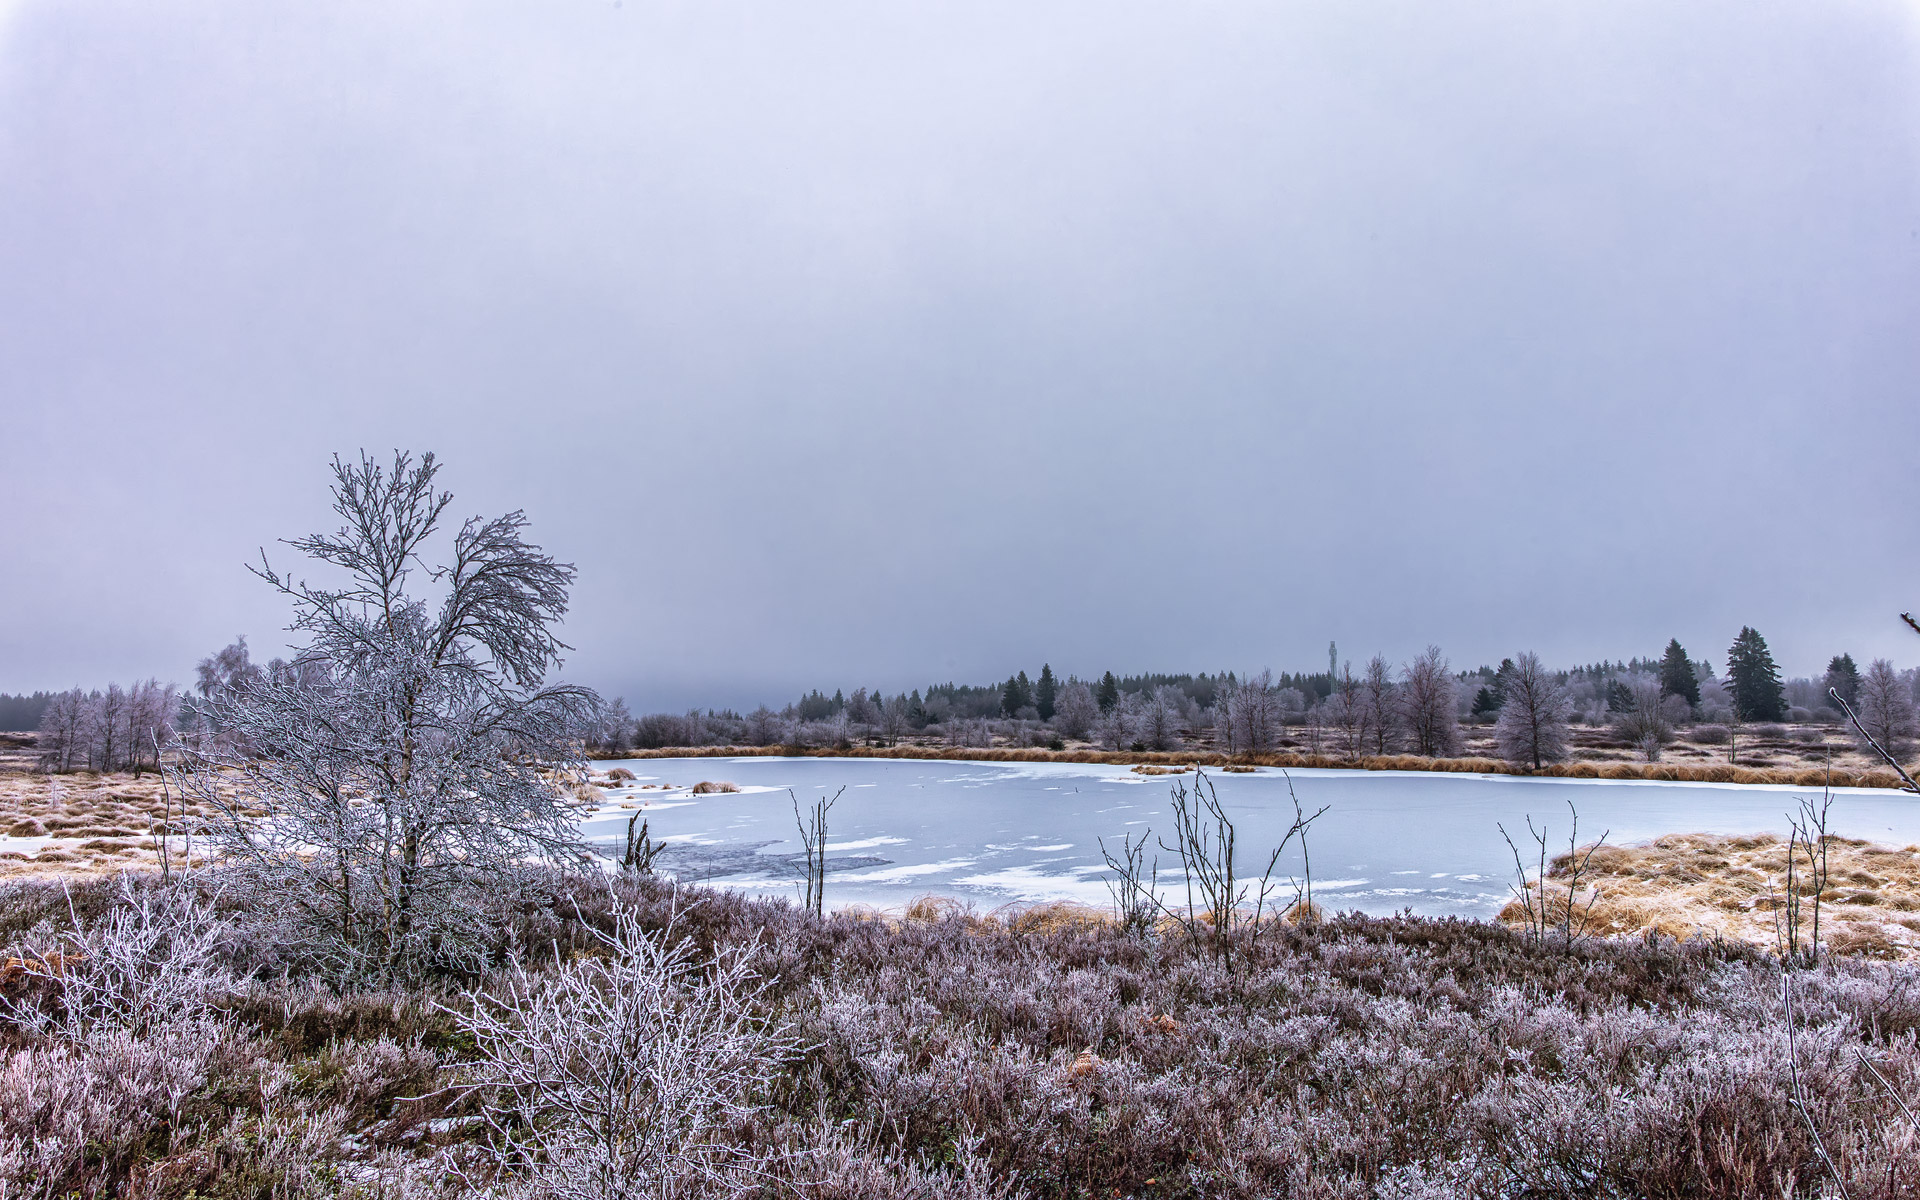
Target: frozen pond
999,833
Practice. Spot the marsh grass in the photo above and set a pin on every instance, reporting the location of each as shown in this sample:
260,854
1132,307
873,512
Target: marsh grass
1715,886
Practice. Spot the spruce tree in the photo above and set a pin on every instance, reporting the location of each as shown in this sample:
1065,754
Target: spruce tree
1676,675
1757,694
1500,678
1043,692
1108,693
1485,702
1017,695
1844,677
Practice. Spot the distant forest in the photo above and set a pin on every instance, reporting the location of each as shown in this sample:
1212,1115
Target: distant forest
1419,707
19,714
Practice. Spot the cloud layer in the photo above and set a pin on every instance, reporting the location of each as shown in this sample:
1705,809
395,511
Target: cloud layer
863,344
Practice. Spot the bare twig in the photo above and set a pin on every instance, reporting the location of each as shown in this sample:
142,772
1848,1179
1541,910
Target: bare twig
1798,1095
1907,783
1133,900
1897,1098
1532,891
813,841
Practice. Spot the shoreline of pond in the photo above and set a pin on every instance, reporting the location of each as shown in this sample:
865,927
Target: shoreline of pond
1718,773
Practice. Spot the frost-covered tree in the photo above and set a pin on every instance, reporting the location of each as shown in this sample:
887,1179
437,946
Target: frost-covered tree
151,709
895,719
1119,727
63,731
1248,714
1380,701
764,727
1885,708
1346,716
1429,707
412,755
1163,722
1532,727
1644,715
1077,709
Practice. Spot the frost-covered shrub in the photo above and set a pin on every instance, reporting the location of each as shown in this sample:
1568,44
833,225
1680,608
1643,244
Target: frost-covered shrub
150,963
625,1072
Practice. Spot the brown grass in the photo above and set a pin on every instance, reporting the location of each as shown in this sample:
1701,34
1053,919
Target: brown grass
100,824
710,787
1807,776
1706,885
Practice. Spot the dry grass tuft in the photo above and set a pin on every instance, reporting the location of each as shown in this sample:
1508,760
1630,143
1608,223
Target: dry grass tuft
935,908
709,787
1056,917
1707,885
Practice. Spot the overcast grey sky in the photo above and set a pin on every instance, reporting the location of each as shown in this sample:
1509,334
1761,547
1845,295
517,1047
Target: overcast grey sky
873,343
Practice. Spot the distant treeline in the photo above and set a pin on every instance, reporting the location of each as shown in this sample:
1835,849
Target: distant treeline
19,714
1418,707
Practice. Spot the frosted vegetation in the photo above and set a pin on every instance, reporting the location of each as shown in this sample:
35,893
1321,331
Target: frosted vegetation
404,974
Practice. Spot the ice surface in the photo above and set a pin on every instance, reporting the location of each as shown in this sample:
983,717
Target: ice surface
997,833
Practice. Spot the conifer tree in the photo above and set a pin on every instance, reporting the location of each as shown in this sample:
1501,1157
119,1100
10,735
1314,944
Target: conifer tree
1501,678
1844,677
1757,694
1016,694
1676,674
1045,691
1108,693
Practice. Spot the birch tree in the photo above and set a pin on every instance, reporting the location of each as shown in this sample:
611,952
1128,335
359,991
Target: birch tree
411,755
1346,715
1429,707
1380,702
1884,707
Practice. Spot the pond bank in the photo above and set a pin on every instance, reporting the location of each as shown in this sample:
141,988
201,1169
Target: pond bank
1653,772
